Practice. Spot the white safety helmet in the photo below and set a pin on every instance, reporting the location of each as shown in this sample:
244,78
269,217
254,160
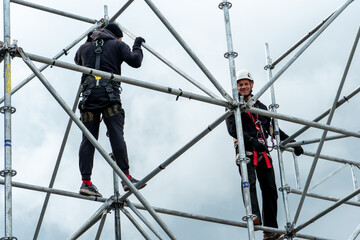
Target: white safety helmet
243,74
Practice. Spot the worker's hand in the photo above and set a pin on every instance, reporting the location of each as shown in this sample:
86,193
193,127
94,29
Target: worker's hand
138,41
298,150
257,145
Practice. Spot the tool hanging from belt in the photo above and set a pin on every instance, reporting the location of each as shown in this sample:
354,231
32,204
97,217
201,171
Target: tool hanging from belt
259,128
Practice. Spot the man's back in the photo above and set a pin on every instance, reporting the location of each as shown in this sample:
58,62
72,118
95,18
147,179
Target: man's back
114,53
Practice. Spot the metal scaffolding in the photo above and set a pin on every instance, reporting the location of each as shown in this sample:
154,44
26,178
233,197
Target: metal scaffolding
118,203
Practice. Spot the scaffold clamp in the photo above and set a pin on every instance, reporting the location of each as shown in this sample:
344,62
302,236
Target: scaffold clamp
180,94
239,160
252,217
270,66
286,188
3,172
8,238
13,49
223,4
5,108
228,54
271,106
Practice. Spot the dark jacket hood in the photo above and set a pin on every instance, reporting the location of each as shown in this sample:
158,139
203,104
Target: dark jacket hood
102,34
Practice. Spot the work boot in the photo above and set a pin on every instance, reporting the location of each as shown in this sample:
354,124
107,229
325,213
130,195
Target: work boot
272,236
133,181
89,190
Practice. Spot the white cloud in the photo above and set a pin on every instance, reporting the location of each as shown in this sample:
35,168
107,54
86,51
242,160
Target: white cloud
204,180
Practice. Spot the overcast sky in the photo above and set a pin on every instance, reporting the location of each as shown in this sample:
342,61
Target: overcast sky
205,179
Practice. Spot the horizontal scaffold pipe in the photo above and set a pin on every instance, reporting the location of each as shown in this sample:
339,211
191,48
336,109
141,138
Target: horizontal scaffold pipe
330,158
172,66
159,210
303,121
223,221
57,56
178,153
332,199
93,140
329,209
55,11
316,140
54,191
173,91
324,114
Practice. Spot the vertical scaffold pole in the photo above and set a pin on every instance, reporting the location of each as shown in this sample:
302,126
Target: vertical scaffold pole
355,183
331,114
297,54
296,172
7,110
273,108
355,234
239,131
117,206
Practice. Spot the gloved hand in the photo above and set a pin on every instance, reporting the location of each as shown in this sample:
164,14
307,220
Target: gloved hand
298,150
138,41
257,145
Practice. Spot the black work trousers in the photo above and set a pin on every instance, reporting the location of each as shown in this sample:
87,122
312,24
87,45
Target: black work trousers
266,177
114,118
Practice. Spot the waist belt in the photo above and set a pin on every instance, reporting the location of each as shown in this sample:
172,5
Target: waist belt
91,82
255,158
255,154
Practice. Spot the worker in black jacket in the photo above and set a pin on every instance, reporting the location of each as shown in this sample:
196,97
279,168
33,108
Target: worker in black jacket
104,50
256,129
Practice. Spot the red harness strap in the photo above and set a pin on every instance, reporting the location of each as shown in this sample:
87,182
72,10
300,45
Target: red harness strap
266,157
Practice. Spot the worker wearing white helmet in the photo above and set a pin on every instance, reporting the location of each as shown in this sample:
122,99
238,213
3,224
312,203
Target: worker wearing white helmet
256,130
245,84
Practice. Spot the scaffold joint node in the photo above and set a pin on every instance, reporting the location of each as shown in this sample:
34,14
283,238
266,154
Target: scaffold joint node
286,188
11,171
240,160
8,238
228,54
223,4
7,108
271,106
269,66
252,217
289,231
13,49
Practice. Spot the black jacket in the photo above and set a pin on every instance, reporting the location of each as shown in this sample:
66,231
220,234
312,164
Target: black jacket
248,125
114,53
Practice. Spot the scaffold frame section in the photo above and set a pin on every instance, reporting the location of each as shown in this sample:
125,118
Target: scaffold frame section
234,106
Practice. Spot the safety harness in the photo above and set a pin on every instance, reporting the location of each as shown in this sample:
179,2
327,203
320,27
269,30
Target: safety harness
262,138
91,81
